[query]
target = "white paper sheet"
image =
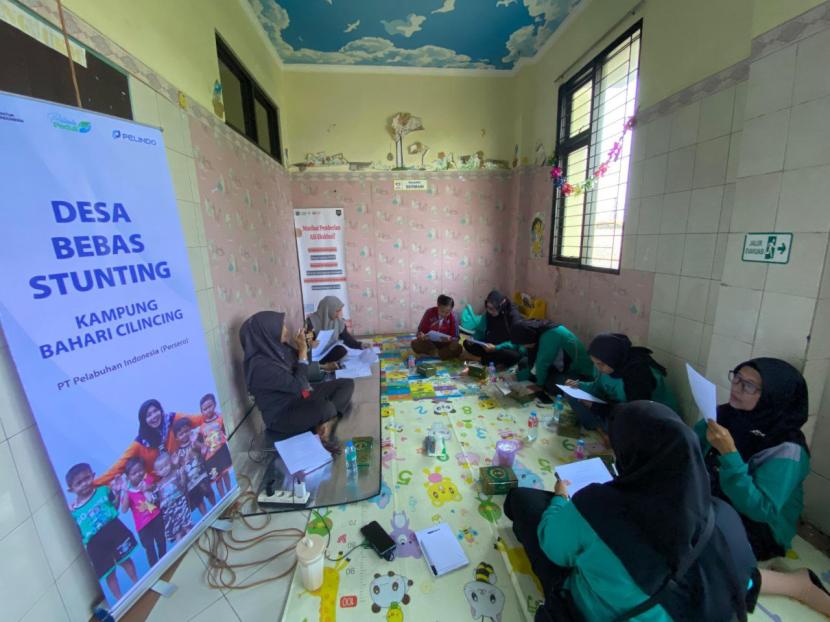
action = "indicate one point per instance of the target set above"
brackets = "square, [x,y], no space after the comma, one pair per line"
[705,394]
[368,356]
[441,549]
[325,342]
[434,335]
[303,452]
[582,473]
[580,394]
[354,371]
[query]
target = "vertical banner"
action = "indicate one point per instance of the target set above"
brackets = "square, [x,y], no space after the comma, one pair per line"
[102,321]
[321,247]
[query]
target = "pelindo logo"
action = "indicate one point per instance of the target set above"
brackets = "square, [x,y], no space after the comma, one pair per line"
[119,135]
[64,123]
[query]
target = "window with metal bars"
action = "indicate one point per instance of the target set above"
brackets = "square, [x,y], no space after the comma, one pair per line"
[247,109]
[594,107]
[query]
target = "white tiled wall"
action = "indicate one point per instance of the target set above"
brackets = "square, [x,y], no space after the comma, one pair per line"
[48,578]
[680,213]
[783,184]
[753,157]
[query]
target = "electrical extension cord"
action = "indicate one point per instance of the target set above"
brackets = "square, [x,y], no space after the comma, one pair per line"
[282,497]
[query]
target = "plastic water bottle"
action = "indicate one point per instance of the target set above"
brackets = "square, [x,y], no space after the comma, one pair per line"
[532,427]
[579,450]
[410,363]
[558,409]
[552,422]
[491,373]
[351,457]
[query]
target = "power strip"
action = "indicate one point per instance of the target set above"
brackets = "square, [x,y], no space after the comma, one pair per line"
[283,497]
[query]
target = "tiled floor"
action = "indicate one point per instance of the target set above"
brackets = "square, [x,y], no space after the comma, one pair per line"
[194,600]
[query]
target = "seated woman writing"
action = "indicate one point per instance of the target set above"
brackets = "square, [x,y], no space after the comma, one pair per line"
[438,319]
[329,316]
[491,340]
[555,352]
[650,546]
[757,458]
[626,373]
[276,376]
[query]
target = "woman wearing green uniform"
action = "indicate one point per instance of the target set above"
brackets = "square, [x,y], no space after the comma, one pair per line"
[626,373]
[757,458]
[650,546]
[555,352]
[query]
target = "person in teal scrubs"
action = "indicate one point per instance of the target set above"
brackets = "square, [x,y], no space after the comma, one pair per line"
[608,553]
[758,460]
[626,373]
[554,351]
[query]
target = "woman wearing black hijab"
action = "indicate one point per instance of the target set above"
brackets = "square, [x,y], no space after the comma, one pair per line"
[277,376]
[626,373]
[652,545]
[492,337]
[757,458]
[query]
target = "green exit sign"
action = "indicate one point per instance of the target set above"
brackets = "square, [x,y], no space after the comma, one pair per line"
[769,247]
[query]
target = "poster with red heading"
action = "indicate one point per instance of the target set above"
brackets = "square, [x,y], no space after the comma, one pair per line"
[321,245]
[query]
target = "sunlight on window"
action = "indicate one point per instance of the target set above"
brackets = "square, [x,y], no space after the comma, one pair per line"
[589,225]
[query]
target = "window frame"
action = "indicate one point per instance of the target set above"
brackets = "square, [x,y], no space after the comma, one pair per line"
[590,72]
[251,92]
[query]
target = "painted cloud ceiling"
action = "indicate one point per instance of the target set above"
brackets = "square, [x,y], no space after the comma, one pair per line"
[467,34]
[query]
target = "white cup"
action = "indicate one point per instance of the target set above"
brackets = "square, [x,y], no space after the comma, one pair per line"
[310,560]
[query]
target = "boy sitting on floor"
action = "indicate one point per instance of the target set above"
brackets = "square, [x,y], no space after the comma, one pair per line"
[438,331]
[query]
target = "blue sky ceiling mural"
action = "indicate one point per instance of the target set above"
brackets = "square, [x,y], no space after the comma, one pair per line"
[466,34]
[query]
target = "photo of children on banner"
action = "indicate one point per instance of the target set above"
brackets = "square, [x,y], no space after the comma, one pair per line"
[161,480]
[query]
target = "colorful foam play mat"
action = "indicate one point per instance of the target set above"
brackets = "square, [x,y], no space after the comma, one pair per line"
[419,491]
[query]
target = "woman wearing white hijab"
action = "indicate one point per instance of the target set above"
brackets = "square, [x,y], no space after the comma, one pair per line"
[329,316]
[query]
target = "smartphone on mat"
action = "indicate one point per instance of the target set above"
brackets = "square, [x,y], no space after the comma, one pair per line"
[379,540]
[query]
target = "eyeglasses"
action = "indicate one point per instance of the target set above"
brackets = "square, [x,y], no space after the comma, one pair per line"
[748,387]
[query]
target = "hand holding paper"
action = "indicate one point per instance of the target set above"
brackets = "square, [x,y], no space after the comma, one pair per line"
[582,473]
[580,394]
[326,341]
[704,393]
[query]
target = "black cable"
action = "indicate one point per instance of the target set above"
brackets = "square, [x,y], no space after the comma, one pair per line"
[363,544]
[239,425]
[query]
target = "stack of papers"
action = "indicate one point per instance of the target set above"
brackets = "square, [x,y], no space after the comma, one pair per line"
[303,453]
[583,473]
[357,364]
[441,549]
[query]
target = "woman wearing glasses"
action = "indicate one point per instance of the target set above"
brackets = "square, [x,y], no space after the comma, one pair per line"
[757,459]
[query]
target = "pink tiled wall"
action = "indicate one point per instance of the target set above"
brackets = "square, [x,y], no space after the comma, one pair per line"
[405,248]
[587,302]
[464,236]
[246,209]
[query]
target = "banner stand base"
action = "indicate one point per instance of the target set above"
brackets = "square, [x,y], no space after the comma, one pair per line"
[181,547]
[102,614]
[164,588]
